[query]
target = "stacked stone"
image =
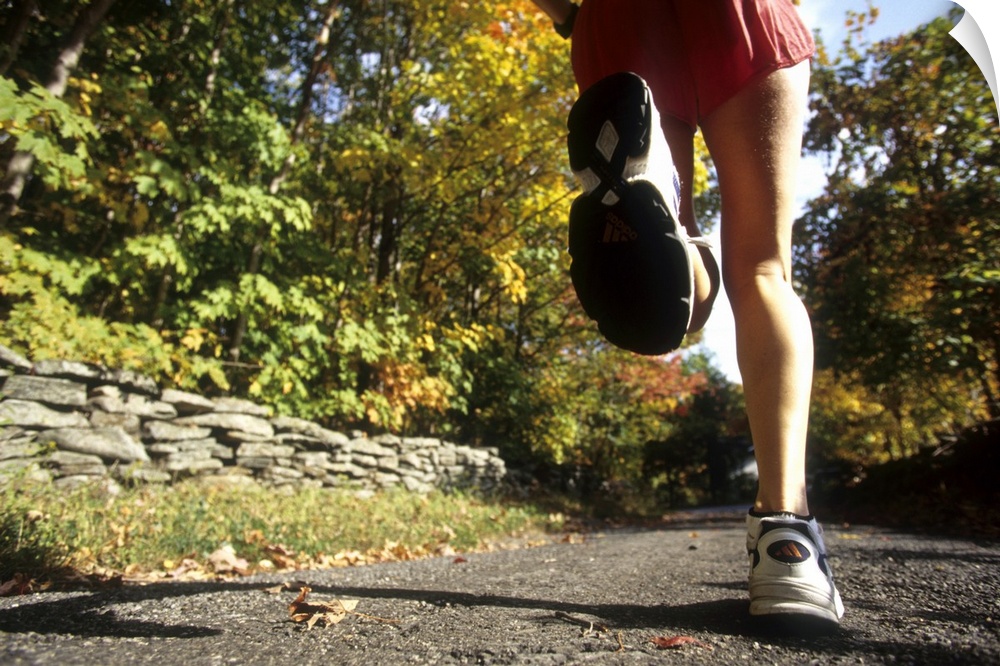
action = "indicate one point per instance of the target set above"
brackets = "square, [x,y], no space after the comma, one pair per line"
[73,422]
[52,428]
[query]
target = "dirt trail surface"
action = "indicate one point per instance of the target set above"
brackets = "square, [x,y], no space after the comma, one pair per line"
[911,599]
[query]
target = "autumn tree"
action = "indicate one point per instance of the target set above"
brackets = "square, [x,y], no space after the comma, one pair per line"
[900,256]
[352,210]
[703,445]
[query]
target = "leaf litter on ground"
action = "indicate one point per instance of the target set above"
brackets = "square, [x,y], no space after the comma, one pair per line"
[314,612]
[329,613]
[676,642]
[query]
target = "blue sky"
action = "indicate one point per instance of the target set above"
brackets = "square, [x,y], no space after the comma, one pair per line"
[895,18]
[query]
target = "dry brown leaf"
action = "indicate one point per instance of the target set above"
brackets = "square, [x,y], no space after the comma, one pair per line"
[675,642]
[144,577]
[349,558]
[282,556]
[324,561]
[19,584]
[186,567]
[252,537]
[393,551]
[312,613]
[224,560]
[589,626]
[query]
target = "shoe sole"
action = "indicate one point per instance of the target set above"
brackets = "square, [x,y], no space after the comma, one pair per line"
[609,125]
[782,616]
[631,270]
[630,264]
[772,599]
[785,625]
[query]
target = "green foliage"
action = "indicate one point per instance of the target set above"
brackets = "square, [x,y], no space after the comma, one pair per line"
[34,121]
[28,542]
[42,322]
[899,257]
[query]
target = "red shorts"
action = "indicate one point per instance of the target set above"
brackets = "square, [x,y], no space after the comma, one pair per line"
[694,54]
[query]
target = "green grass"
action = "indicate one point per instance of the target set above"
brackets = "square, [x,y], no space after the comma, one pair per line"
[45,532]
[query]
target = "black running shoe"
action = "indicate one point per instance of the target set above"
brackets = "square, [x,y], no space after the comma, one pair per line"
[631,266]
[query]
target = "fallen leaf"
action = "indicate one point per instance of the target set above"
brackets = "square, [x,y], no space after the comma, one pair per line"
[34,515]
[252,537]
[327,612]
[224,560]
[588,625]
[282,556]
[186,567]
[393,551]
[277,589]
[19,584]
[459,560]
[349,558]
[675,642]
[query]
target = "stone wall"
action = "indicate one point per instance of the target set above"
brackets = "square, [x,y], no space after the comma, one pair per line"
[72,422]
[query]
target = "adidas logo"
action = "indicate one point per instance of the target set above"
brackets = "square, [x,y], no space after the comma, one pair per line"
[616,231]
[788,551]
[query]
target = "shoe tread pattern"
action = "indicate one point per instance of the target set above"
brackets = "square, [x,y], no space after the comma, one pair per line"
[637,290]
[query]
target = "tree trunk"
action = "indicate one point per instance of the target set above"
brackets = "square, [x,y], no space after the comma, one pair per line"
[15,32]
[305,102]
[216,56]
[21,163]
[388,231]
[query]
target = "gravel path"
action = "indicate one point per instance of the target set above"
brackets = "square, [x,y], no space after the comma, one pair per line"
[911,599]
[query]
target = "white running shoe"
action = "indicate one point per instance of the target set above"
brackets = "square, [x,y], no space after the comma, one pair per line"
[790,574]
